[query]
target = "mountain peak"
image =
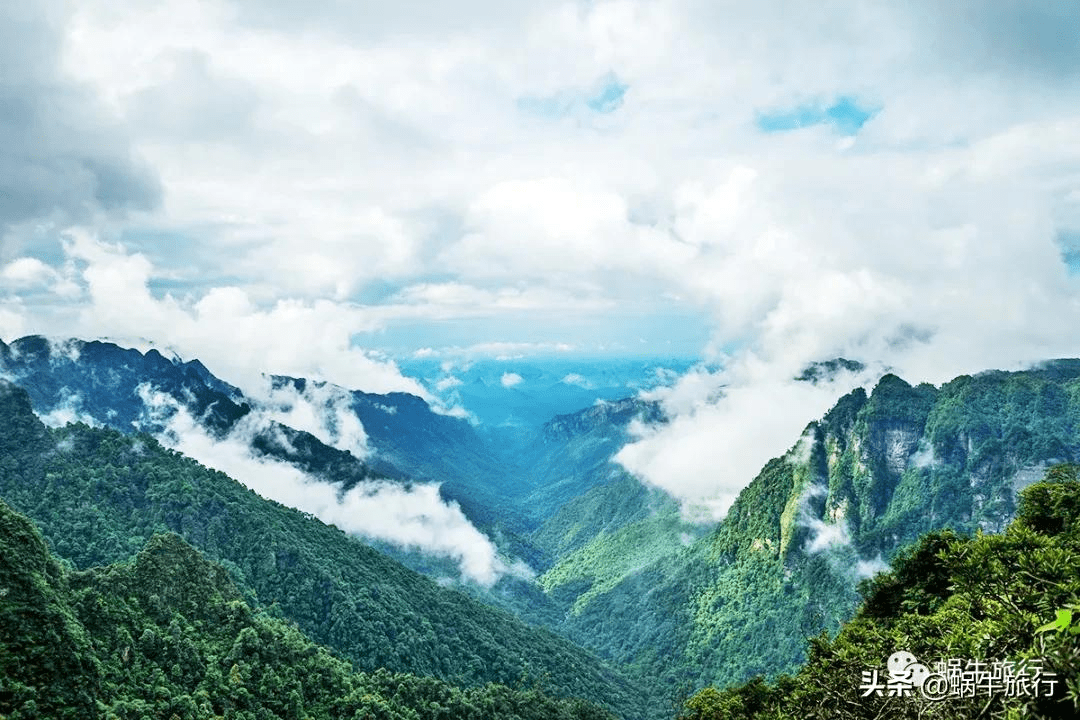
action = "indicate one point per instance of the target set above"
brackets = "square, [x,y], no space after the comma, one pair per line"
[827,370]
[614,414]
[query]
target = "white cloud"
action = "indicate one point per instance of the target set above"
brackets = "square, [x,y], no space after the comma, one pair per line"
[447,383]
[386,155]
[27,271]
[322,409]
[724,426]
[870,568]
[413,517]
[69,410]
[826,536]
[12,320]
[224,328]
[510,379]
[923,457]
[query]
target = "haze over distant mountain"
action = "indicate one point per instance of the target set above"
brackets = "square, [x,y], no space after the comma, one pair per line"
[528,390]
[550,525]
[385,466]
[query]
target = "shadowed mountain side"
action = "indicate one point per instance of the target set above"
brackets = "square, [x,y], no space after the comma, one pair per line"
[167,634]
[99,496]
[406,441]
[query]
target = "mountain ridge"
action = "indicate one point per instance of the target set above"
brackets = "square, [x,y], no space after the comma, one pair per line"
[79,482]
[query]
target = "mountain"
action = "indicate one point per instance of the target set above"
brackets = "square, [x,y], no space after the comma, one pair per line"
[99,381]
[168,634]
[99,496]
[573,453]
[866,480]
[617,568]
[597,523]
[103,384]
[1008,602]
[342,437]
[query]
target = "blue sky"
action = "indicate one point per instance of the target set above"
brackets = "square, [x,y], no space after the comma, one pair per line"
[281,187]
[846,115]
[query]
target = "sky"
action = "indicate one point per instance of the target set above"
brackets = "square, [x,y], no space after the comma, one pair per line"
[316,188]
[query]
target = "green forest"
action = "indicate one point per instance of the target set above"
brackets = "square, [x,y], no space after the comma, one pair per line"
[154,587]
[100,496]
[168,635]
[1009,597]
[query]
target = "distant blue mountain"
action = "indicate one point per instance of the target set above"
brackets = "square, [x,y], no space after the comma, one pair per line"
[528,392]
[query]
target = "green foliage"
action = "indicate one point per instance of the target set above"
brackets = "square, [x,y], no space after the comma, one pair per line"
[173,639]
[919,581]
[878,471]
[1067,620]
[982,598]
[610,556]
[1051,508]
[99,496]
[46,663]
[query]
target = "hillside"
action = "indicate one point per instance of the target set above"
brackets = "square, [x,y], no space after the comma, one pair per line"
[336,435]
[1008,601]
[99,496]
[618,570]
[167,634]
[867,479]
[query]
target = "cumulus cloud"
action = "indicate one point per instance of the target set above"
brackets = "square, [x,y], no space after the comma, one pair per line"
[63,156]
[509,379]
[413,516]
[388,170]
[224,327]
[27,271]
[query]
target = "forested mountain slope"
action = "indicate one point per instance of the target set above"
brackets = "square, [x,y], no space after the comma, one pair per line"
[99,496]
[619,571]
[404,439]
[1009,602]
[870,477]
[167,634]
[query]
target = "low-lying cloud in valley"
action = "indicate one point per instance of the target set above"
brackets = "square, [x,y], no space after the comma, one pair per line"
[69,410]
[322,409]
[411,516]
[724,425]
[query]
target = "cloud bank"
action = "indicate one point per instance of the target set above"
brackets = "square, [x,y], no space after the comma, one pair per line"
[724,426]
[593,175]
[413,516]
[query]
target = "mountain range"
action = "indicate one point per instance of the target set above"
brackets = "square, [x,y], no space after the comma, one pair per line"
[618,598]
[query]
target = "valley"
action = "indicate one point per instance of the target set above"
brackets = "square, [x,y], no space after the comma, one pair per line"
[521,555]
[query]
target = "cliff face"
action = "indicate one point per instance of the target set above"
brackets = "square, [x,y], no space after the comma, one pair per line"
[904,460]
[868,478]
